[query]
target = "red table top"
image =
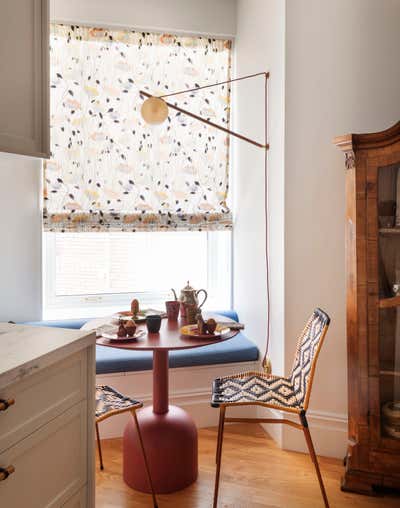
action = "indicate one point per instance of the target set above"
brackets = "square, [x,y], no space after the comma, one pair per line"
[168,338]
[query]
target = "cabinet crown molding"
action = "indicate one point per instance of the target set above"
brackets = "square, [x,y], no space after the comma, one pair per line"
[355,142]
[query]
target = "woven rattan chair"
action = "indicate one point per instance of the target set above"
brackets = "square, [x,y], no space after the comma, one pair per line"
[109,402]
[289,394]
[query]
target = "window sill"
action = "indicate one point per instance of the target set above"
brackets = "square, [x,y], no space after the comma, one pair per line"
[87,312]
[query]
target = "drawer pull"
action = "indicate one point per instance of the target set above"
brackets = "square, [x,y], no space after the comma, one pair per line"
[5,472]
[5,404]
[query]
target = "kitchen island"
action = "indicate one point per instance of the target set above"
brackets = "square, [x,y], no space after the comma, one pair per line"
[47,397]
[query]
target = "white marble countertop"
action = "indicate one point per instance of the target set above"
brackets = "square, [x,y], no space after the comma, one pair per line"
[26,349]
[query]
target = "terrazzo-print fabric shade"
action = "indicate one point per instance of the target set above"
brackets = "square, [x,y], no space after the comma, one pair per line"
[109,171]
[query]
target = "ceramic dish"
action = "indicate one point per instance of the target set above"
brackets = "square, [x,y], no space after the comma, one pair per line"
[192,331]
[113,337]
[126,315]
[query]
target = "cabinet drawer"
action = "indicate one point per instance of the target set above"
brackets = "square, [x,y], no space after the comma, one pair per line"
[41,397]
[50,465]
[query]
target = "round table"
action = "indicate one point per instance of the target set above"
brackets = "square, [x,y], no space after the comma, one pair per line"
[169,433]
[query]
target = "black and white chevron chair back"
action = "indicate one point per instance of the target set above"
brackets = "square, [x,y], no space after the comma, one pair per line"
[307,351]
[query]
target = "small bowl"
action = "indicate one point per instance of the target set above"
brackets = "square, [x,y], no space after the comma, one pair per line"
[153,323]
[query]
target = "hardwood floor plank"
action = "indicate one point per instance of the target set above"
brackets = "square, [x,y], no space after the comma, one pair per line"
[255,474]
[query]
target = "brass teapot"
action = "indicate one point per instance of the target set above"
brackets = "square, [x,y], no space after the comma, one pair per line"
[189,297]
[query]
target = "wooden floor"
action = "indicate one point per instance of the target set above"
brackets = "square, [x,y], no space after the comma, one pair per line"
[255,474]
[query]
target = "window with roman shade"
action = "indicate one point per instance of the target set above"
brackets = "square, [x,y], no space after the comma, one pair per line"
[109,171]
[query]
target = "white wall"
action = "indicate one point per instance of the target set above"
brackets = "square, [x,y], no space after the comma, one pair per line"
[20,177]
[216,17]
[20,233]
[342,74]
[259,47]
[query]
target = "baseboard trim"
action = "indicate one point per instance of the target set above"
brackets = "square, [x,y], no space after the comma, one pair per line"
[190,388]
[273,429]
[328,431]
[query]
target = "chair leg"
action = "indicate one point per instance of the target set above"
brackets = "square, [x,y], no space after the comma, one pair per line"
[219,453]
[155,505]
[220,423]
[99,446]
[313,455]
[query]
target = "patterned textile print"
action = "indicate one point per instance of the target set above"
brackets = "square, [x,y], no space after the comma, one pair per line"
[109,170]
[255,387]
[284,392]
[306,349]
[108,400]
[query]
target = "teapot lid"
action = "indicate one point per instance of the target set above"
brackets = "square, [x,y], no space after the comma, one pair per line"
[188,287]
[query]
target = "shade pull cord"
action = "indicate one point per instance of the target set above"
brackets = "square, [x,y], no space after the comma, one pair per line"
[266,363]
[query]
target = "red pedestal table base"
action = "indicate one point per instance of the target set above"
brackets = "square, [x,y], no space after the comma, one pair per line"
[170,440]
[169,433]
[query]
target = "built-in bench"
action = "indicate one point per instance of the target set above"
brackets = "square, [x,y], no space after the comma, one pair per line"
[113,360]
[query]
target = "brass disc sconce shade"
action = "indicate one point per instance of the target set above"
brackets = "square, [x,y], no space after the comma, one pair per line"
[154,110]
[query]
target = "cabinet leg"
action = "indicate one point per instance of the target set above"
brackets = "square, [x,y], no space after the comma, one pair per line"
[355,483]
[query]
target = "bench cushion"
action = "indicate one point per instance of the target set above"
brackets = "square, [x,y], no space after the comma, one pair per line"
[112,360]
[238,349]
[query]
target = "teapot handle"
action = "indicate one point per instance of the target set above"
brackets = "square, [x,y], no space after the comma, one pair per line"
[205,296]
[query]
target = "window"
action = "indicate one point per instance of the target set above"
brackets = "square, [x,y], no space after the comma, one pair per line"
[131,210]
[89,274]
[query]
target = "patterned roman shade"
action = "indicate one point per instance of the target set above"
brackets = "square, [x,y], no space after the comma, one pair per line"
[109,171]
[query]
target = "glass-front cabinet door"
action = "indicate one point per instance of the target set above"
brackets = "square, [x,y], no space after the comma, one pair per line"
[372,168]
[388,229]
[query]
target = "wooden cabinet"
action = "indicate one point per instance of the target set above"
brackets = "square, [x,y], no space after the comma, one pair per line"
[24,81]
[372,165]
[50,464]
[43,396]
[46,417]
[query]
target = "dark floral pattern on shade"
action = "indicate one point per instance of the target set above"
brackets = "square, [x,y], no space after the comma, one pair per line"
[109,171]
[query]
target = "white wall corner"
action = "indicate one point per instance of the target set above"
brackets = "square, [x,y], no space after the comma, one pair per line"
[328,432]
[273,429]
